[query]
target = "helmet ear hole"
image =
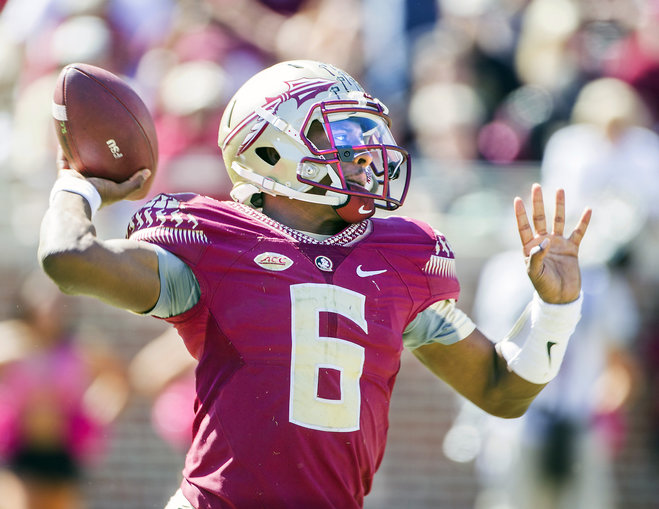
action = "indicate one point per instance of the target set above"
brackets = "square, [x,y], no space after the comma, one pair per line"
[268,154]
[257,200]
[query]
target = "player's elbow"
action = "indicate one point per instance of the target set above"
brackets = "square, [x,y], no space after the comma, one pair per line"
[508,404]
[509,411]
[63,267]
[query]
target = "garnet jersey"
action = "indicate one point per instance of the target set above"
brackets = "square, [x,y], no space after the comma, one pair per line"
[298,343]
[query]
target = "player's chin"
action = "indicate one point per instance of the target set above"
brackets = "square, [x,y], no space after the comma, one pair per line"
[357,208]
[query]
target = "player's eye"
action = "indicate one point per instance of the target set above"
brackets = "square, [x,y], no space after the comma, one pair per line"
[340,138]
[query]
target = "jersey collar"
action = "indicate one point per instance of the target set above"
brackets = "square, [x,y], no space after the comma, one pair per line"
[346,237]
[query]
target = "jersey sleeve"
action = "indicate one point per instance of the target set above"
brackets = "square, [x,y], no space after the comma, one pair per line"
[424,261]
[174,223]
[441,322]
[179,288]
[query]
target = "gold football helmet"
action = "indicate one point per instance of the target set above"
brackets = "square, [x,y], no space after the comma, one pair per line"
[270,142]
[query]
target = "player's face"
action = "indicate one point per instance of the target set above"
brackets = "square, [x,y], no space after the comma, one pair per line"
[346,134]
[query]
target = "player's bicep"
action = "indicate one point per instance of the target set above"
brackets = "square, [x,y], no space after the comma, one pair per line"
[121,272]
[133,282]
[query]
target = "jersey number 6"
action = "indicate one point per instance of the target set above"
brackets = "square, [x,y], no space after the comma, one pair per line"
[310,353]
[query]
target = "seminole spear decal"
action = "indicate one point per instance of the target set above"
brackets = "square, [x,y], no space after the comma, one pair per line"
[301,90]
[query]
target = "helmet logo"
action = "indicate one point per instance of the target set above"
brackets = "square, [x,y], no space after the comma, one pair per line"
[301,90]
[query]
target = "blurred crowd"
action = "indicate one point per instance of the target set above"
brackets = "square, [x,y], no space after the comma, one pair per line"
[476,88]
[475,80]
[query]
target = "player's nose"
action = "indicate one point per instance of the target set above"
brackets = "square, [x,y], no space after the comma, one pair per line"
[355,164]
[356,173]
[363,159]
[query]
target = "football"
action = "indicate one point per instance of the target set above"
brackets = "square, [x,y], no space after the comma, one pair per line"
[103,126]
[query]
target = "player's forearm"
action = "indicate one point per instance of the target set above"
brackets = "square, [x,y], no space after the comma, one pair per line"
[476,370]
[121,272]
[506,394]
[67,239]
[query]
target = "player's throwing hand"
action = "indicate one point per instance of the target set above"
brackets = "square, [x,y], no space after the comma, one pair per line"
[108,190]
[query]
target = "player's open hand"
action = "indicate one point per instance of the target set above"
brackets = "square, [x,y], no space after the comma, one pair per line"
[551,259]
[109,190]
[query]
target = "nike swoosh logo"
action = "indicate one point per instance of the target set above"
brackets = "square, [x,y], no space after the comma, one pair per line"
[362,210]
[549,346]
[366,273]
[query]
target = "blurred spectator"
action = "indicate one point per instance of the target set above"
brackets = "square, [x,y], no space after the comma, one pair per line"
[445,110]
[58,396]
[561,45]
[325,30]
[560,454]
[116,32]
[192,96]
[388,60]
[163,371]
[635,58]
[187,82]
[607,156]
[445,119]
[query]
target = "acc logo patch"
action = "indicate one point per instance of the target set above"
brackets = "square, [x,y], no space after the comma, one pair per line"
[273,261]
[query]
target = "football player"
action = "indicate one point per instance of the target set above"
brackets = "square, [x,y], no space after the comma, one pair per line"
[297,302]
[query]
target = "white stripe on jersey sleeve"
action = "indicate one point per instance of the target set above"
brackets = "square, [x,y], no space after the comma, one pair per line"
[179,288]
[441,322]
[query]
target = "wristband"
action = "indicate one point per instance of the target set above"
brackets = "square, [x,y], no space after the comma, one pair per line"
[80,187]
[535,347]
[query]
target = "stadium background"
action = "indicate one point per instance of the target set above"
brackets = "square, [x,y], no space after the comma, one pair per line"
[497,115]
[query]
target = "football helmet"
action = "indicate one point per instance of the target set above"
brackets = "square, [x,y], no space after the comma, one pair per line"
[300,129]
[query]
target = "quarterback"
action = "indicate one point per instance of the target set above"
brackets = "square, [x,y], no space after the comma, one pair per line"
[297,302]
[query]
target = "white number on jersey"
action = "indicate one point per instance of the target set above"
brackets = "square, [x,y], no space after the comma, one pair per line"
[310,353]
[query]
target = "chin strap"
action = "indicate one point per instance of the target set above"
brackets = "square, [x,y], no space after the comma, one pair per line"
[357,208]
[267,185]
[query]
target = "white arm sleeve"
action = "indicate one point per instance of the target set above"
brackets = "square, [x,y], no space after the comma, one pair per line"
[179,288]
[441,322]
[535,347]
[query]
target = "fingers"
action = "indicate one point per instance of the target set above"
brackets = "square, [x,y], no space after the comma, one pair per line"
[526,233]
[537,255]
[140,177]
[523,226]
[135,182]
[580,230]
[112,192]
[559,214]
[538,210]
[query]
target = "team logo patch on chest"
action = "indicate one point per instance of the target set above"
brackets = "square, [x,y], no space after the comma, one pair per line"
[273,261]
[324,263]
